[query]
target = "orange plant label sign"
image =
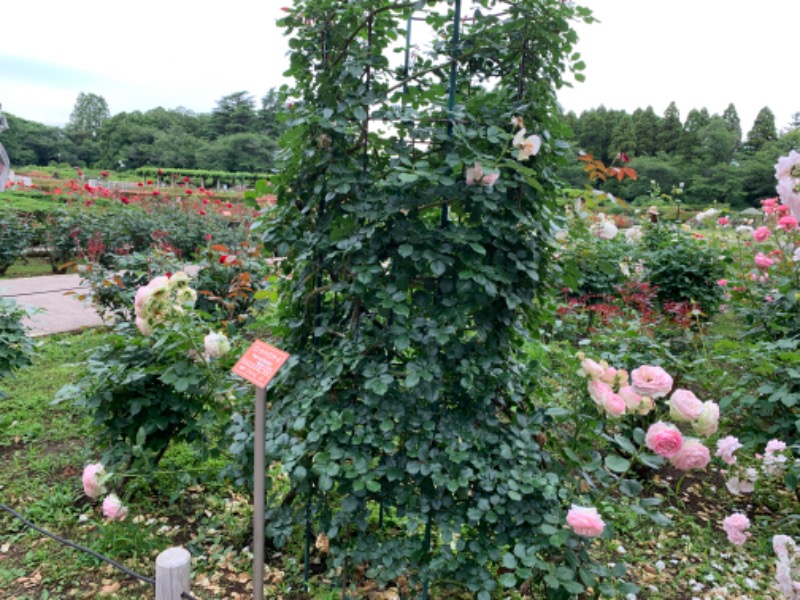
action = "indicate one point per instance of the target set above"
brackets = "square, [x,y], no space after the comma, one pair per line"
[259,363]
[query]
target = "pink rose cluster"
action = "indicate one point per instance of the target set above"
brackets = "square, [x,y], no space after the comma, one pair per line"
[736,526]
[667,440]
[611,391]
[787,173]
[94,485]
[161,299]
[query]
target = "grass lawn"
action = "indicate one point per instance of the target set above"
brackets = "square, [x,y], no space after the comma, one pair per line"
[44,448]
[29,267]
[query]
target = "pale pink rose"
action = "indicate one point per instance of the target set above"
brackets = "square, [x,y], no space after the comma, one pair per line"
[613,404]
[632,399]
[664,439]
[527,146]
[735,526]
[722,282]
[692,455]
[761,234]
[93,480]
[762,261]
[708,421]
[144,326]
[598,390]
[787,190]
[585,521]
[605,230]
[113,509]
[726,447]
[785,167]
[142,294]
[787,223]
[474,174]
[592,369]
[650,381]
[609,375]
[684,406]
[775,446]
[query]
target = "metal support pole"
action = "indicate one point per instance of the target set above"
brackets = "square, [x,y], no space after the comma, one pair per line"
[259,494]
[451,100]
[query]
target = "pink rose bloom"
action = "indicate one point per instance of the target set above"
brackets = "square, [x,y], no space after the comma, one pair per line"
[785,167]
[592,369]
[787,223]
[650,381]
[761,234]
[664,439]
[692,455]
[475,175]
[598,390]
[775,446]
[789,196]
[113,509]
[762,261]
[585,521]
[726,447]
[708,421]
[723,221]
[735,526]
[722,282]
[144,326]
[632,399]
[684,406]
[93,480]
[613,405]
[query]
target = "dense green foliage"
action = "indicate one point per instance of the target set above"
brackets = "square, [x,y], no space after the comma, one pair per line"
[411,292]
[705,152]
[15,345]
[235,136]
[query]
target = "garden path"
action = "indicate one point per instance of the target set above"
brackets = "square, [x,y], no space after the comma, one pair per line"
[52,311]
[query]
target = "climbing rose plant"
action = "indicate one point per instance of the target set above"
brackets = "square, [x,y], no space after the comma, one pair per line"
[416,218]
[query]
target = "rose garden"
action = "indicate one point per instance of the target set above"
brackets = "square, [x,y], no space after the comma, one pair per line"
[499,385]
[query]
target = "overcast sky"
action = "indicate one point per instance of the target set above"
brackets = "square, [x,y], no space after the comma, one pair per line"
[171,53]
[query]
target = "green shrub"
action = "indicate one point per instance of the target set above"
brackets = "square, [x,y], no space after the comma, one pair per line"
[15,345]
[682,268]
[15,235]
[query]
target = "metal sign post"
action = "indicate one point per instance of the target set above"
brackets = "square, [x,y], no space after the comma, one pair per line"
[259,497]
[258,365]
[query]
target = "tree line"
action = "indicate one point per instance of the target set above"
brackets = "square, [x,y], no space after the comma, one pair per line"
[237,135]
[707,153]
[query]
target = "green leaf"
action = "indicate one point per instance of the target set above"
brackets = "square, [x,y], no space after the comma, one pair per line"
[509,561]
[359,113]
[438,268]
[630,487]
[616,463]
[508,580]
[405,250]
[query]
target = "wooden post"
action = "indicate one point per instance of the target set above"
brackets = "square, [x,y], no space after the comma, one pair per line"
[172,573]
